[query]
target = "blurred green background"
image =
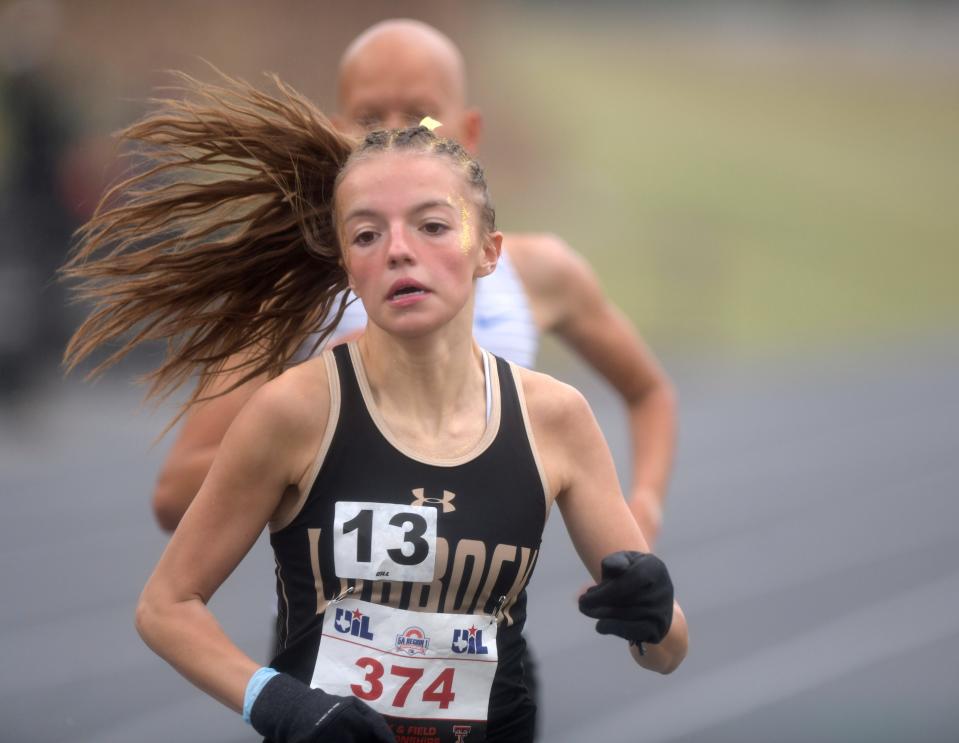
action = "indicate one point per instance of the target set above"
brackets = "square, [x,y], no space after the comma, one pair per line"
[758,195]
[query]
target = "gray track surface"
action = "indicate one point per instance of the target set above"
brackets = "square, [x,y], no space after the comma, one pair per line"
[812,532]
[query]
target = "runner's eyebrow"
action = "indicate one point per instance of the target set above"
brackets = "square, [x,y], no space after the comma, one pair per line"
[430,205]
[365,212]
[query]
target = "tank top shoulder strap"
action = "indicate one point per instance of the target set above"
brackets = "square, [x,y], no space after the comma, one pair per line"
[349,384]
[515,427]
[283,517]
[509,395]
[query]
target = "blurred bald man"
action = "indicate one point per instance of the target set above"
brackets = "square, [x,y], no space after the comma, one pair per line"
[399,71]
[391,76]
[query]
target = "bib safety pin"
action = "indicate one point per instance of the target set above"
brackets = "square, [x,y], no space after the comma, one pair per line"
[499,607]
[345,593]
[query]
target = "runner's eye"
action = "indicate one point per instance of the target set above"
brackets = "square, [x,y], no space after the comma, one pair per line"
[364,237]
[434,228]
[369,122]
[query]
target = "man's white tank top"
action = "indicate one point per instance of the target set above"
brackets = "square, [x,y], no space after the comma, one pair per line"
[502,320]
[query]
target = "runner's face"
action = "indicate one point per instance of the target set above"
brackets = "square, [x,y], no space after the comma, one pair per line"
[378,92]
[409,228]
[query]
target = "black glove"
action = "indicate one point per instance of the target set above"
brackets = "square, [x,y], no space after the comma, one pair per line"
[634,599]
[288,711]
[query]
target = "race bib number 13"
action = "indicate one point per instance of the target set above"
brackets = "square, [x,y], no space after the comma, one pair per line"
[382,541]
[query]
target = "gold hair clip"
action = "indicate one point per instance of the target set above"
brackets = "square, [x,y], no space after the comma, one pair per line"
[430,123]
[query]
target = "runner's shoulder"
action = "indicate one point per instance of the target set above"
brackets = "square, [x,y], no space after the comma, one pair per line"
[295,402]
[552,404]
[534,245]
[546,263]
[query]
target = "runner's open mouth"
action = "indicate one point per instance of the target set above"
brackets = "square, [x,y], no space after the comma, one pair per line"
[408,291]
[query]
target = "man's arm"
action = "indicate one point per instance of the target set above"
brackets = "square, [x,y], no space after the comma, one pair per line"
[197,442]
[194,449]
[567,299]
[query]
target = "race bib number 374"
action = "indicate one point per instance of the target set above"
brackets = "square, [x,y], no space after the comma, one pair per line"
[408,665]
[382,541]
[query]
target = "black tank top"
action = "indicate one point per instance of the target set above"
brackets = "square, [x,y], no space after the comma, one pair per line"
[367,510]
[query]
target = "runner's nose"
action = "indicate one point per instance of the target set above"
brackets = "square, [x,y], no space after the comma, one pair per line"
[399,251]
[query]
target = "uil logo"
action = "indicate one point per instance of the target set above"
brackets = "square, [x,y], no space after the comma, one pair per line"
[461,731]
[469,642]
[446,501]
[353,622]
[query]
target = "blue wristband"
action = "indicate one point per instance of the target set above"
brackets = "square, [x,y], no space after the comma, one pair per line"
[254,687]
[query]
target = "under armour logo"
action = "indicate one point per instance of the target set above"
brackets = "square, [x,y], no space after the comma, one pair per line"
[446,501]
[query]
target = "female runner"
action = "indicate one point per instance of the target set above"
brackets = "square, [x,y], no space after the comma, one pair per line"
[405,477]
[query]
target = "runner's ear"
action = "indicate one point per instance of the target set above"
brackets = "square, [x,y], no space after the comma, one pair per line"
[491,252]
[472,130]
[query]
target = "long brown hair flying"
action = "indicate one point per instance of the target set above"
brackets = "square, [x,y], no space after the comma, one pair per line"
[222,244]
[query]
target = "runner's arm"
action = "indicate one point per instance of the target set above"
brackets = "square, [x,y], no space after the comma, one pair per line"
[595,513]
[264,455]
[194,449]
